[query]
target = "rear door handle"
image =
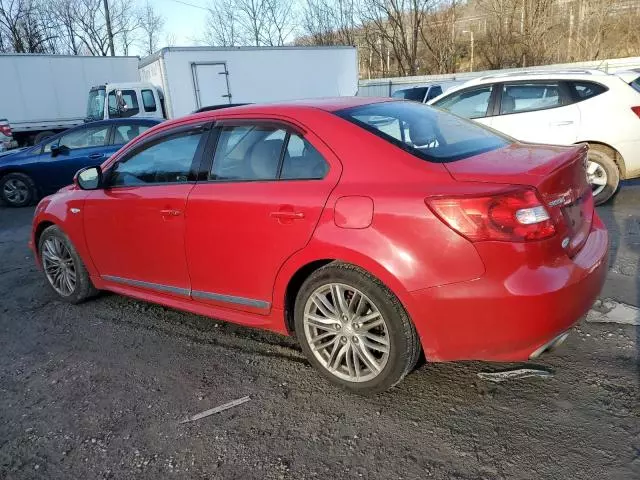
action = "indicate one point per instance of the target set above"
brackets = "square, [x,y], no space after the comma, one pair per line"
[560,124]
[284,215]
[95,156]
[170,213]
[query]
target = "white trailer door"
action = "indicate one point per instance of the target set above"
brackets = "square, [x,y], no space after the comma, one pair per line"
[211,85]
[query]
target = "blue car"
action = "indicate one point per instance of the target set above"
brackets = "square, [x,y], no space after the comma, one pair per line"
[33,172]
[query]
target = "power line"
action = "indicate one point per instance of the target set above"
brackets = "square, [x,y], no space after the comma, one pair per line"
[190,5]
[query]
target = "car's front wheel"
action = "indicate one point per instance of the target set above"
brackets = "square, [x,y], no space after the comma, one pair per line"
[17,190]
[63,268]
[354,330]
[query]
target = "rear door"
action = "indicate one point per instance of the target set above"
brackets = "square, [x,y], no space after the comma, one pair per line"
[537,111]
[210,84]
[259,201]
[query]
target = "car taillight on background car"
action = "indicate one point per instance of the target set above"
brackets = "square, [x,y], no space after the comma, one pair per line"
[6,130]
[636,110]
[513,216]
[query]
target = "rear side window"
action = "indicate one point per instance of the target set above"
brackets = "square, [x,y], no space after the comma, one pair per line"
[425,132]
[522,97]
[636,84]
[583,90]
[468,103]
[148,101]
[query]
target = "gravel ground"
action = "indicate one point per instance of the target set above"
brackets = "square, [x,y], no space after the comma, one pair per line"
[98,391]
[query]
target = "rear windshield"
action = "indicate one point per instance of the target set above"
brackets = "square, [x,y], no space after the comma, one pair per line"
[415,94]
[636,84]
[425,132]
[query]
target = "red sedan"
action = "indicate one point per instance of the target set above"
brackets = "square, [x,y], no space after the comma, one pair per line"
[372,229]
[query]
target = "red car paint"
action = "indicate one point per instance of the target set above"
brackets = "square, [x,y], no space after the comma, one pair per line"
[488,300]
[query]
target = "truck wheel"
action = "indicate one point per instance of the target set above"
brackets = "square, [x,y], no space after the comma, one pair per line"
[42,136]
[354,330]
[17,190]
[63,268]
[602,173]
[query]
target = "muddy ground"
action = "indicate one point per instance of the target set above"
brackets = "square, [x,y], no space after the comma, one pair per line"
[98,391]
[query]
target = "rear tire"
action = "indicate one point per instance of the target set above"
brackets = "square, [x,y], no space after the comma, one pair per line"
[17,190]
[354,330]
[603,173]
[64,270]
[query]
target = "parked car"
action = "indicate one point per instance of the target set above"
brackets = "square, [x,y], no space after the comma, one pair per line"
[418,94]
[370,241]
[33,172]
[563,108]
[6,136]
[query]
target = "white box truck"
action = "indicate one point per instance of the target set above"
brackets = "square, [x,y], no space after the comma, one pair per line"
[179,80]
[44,94]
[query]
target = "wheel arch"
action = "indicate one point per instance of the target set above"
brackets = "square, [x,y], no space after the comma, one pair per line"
[617,158]
[37,233]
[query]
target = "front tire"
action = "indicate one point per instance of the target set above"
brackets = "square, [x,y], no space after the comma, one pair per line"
[65,273]
[602,173]
[17,190]
[354,330]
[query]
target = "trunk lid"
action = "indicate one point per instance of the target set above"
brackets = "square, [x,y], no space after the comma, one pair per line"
[557,173]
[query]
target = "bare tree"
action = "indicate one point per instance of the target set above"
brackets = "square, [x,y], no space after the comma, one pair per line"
[222,27]
[151,23]
[25,27]
[329,22]
[280,22]
[170,39]
[438,34]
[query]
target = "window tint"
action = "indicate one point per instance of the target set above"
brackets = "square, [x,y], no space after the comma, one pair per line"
[168,161]
[584,90]
[148,101]
[425,132]
[636,84]
[434,92]
[81,138]
[468,103]
[518,98]
[126,106]
[248,152]
[415,94]
[302,160]
[126,133]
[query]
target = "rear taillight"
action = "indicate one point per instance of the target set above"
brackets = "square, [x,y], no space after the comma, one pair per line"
[636,110]
[5,130]
[514,216]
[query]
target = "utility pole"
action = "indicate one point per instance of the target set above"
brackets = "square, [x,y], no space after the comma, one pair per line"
[472,45]
[109,32]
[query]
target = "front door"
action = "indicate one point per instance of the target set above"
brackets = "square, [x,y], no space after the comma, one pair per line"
[135,226]
[81,147]
[264,195]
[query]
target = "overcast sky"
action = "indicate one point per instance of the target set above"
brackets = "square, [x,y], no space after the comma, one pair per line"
[184,21]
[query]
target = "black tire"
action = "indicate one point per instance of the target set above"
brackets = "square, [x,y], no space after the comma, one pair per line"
[42,136]
[404,345]
[18,190]
[84,288]
[604,157]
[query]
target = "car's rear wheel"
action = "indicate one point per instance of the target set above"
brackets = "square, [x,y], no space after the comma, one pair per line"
[17,190]
[602,173]
[63,268]
[354,330]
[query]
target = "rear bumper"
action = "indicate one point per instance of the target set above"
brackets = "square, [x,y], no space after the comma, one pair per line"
[517,307]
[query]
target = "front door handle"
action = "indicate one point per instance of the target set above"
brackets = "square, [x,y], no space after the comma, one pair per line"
[96,156]
[560,124]
[170,213]
[285,215]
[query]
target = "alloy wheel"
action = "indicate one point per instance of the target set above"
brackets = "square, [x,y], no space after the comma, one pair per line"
[597,177]
[15,191]
[59,266]
[346,332]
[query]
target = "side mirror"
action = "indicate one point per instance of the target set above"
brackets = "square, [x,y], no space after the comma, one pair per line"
[88,178]
[55,150]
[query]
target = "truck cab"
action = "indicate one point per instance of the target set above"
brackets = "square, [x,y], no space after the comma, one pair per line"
[124,100]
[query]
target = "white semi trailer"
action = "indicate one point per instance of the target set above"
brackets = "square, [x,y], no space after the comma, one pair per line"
[44,94]
[179,80]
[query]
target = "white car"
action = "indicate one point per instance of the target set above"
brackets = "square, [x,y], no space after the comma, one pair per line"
[562,108]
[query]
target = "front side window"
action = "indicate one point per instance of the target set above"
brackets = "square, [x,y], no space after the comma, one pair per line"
[468,103]
[125,105]
[148,101]
[126,133]
[257,152]
[165,161]
[425,132]
[81,138]
[521,97]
